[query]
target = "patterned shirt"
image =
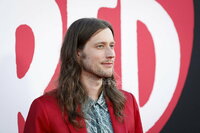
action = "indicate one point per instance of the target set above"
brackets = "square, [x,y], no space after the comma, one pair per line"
[97,116]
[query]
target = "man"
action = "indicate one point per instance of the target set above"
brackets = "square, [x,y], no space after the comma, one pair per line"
[86,99]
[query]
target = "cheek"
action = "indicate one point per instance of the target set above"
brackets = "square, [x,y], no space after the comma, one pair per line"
[95,56]
[93,60]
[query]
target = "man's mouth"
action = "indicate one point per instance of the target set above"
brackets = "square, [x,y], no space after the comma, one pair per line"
[107,64]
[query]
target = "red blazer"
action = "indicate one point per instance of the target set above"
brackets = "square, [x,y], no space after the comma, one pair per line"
[45,117]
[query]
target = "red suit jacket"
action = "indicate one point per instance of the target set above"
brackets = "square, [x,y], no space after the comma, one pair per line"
[45,117]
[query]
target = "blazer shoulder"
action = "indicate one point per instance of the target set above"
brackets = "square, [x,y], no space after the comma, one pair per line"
[125,92]
[128,95]
[37,119]
[47,98]
[42,104]
[45,116]
[130,99]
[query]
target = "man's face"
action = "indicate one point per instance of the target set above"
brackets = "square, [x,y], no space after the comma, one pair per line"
[98,55]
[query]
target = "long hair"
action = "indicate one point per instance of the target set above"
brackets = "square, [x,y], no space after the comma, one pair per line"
[70,93]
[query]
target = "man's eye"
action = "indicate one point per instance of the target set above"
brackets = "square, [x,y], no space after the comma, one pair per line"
[112,45]
[100,46]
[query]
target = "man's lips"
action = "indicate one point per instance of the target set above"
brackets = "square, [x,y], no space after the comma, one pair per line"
[107,64]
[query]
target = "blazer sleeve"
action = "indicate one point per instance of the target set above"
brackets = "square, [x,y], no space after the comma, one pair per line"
[138,123]
[37,120]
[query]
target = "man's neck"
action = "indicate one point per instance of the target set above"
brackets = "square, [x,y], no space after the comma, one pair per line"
[92,84]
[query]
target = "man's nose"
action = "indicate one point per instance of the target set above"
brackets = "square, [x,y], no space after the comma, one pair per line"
[110,53]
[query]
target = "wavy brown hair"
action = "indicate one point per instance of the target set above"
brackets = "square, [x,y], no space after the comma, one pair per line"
[70,93]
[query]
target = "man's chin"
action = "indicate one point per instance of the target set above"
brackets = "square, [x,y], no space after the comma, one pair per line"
[106,75]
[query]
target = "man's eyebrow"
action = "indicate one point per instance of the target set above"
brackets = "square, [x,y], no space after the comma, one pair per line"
[112,42]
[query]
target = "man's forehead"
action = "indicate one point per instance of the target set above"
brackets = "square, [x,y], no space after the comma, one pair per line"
[103,36]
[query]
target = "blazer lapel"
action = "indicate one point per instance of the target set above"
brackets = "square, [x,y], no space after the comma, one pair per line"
[77,130]
[118,127]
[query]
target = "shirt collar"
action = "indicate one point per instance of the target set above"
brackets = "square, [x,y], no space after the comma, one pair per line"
[90,102]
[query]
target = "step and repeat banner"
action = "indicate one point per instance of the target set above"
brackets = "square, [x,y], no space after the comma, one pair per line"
[157,49]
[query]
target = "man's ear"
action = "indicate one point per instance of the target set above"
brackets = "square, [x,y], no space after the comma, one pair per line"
[78,54]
